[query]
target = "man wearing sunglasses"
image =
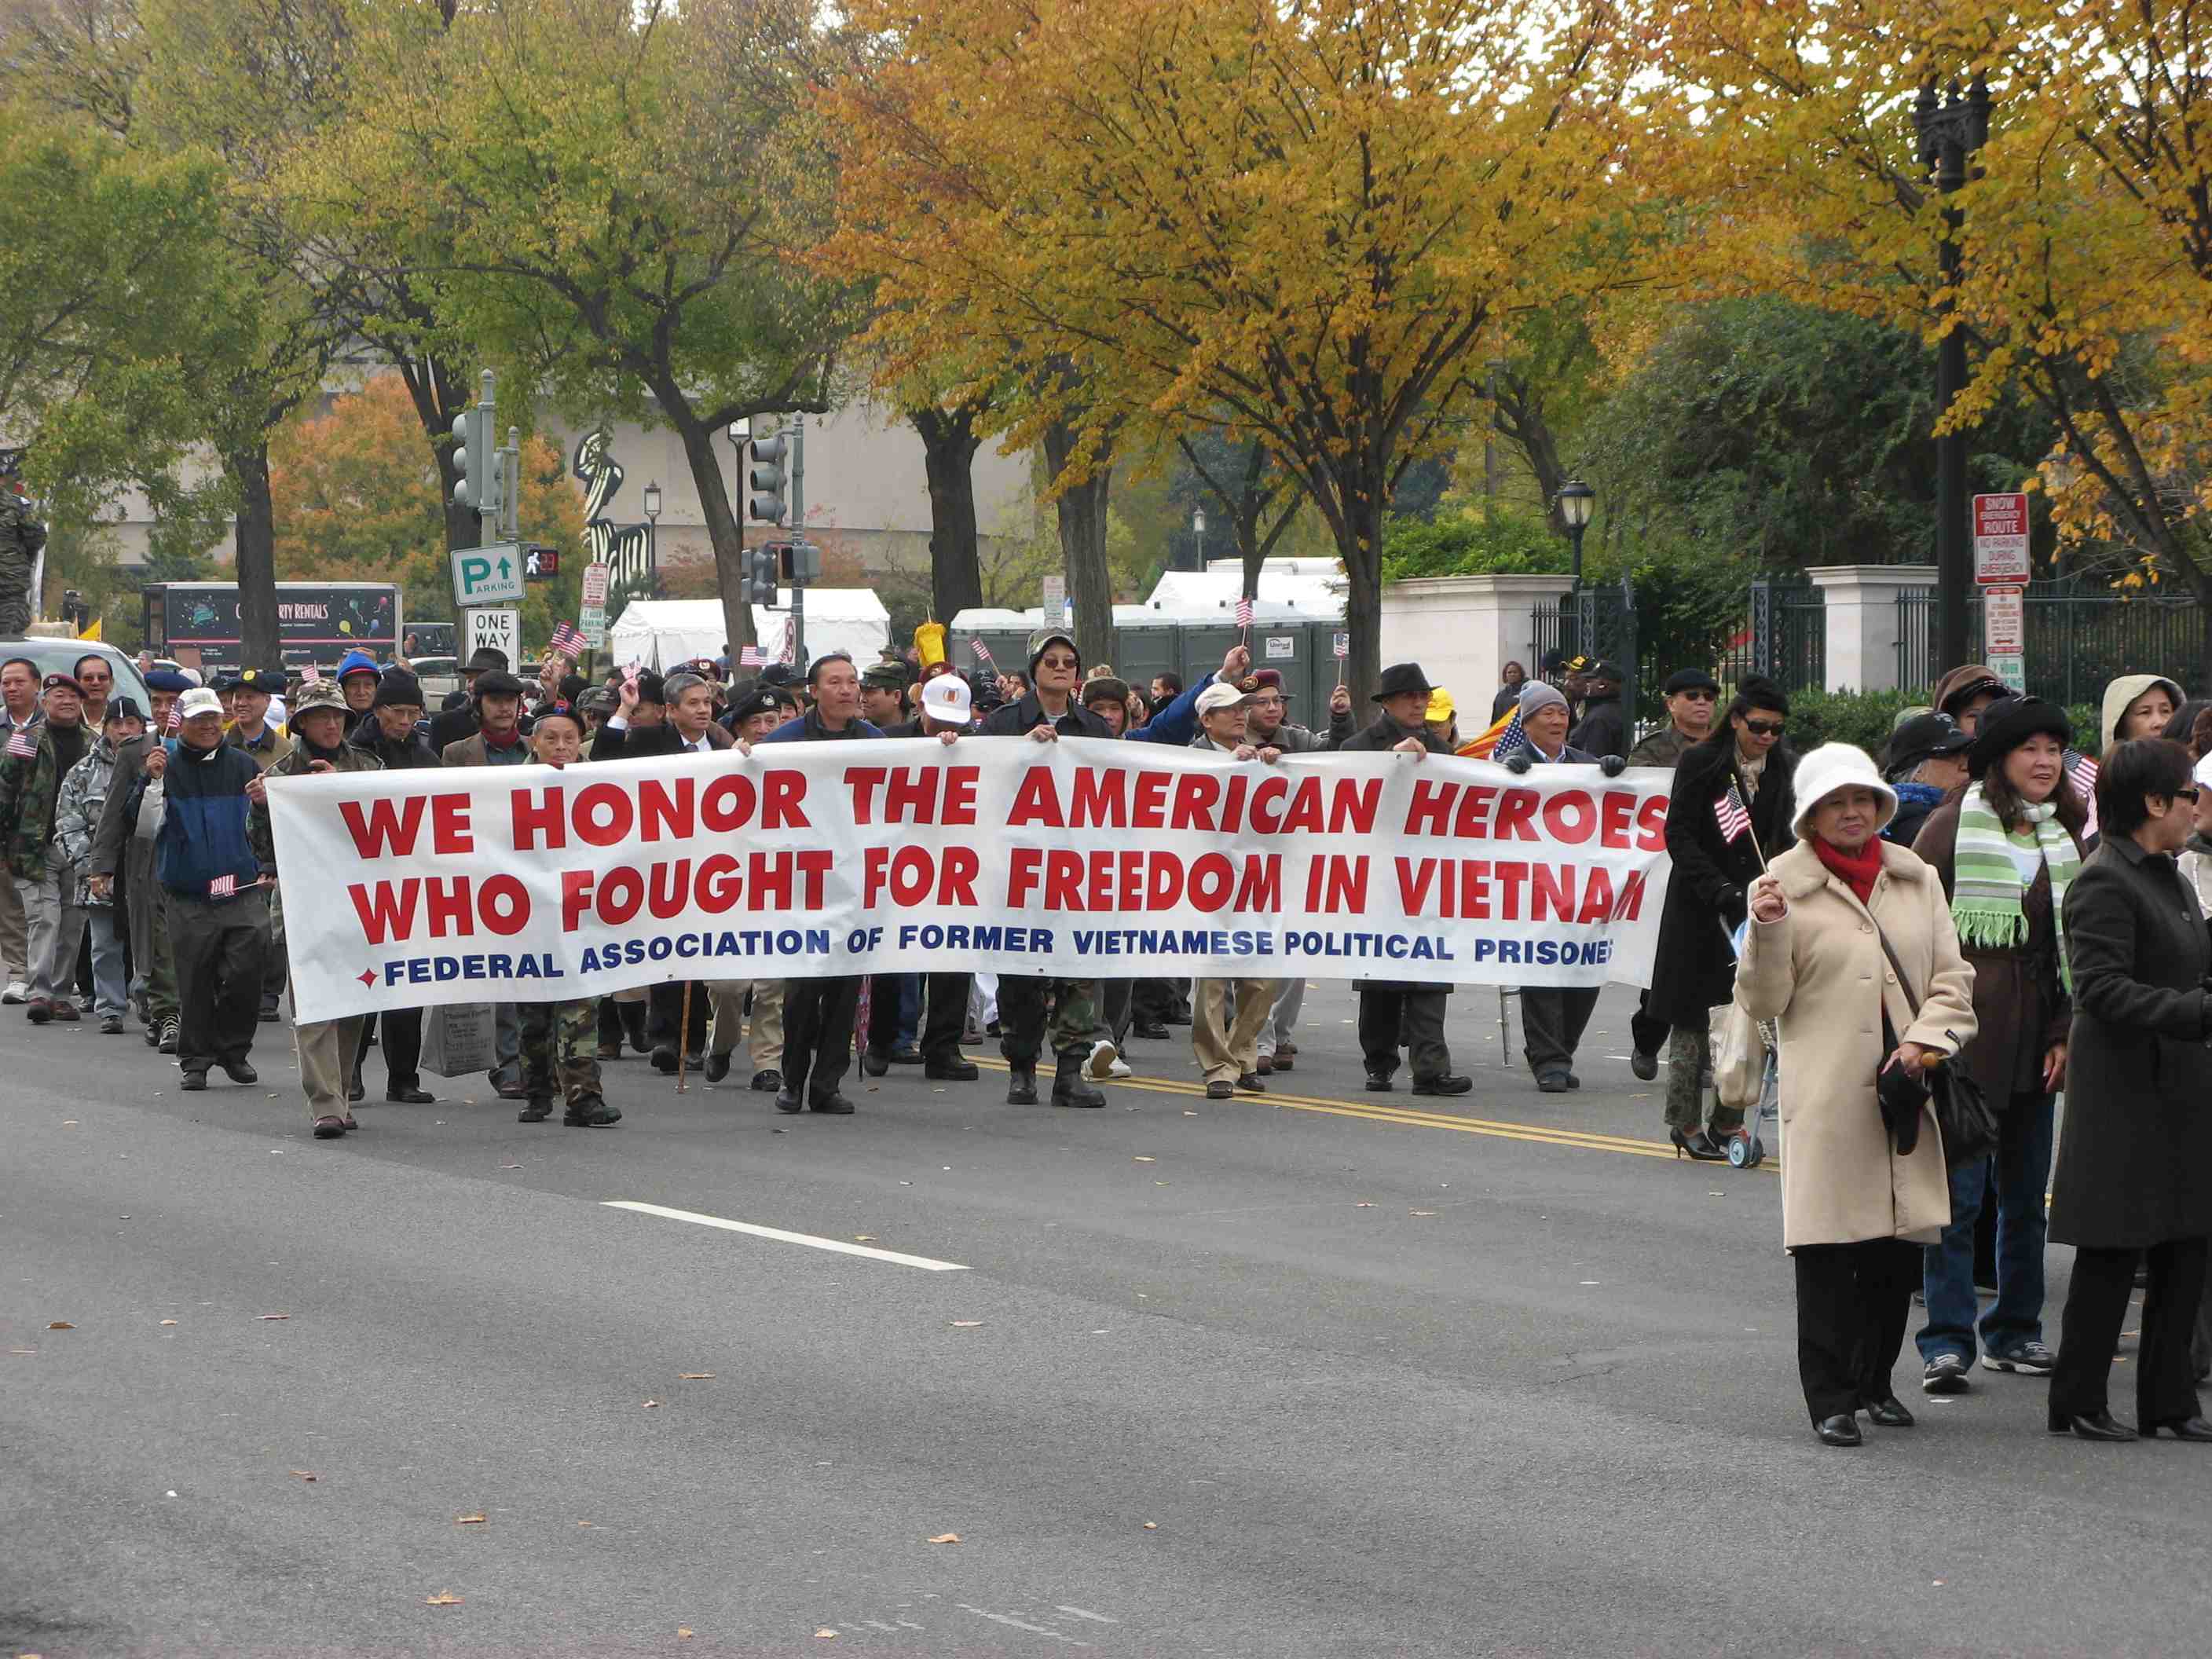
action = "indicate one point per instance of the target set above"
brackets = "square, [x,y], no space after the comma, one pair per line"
[1692,697]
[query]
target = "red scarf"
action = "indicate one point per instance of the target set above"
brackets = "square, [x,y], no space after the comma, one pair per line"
[1857,871]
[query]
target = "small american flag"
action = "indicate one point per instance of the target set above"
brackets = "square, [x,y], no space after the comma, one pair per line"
[1341,646]
[310,675]
[750,657]
[568,640]
[1731,813]
[1513,738]
[1244,611]
[21,744]
[2082,774]
[175,722]
[223,887]
[982,653]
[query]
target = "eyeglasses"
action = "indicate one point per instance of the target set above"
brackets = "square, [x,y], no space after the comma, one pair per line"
[1057,662]
[2189,793]
[1764,728]
[1697,696]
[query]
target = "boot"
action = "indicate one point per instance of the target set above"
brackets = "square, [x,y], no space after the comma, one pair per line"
[632,1015]
[1021,1085]
[1068,1087]
[590,1115]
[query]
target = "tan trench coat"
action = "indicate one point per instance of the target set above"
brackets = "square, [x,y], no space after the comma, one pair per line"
[1817,969]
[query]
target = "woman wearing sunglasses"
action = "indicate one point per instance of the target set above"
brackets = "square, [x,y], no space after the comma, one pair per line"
[1729,812]
[2131,1182]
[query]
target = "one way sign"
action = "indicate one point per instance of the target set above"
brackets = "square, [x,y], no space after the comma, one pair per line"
[487,575]
[541,564]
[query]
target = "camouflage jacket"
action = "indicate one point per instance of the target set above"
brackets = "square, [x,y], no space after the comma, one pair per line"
[76,813]
[294,763]
[27,786]
[19,531]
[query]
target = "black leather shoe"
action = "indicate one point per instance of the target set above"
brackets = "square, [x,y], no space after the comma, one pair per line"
[2187,1428]
[1378,1083]
[1888,1413]
[1151,1031]
[1448,1084]
[663,1059]
[1250,1084]
[875,1061]
[834,1104]
[632,1018]
[1573,1082]
[1221,1091]
[268,1014]
[955,1070]
[192,1082]
[1552,1083]
[410,1097]
[238,1072]
[355,1093]
[1841,1429]
[2093,1426]
[787,1101]
[717,1067]
[1699,1147]
[1021,1086]
[536,1112]
[1646,1066]
[767,1083]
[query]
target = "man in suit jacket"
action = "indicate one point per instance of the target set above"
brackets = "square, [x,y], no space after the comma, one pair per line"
[689,699]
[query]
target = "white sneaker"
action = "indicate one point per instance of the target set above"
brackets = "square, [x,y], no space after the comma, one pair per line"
[1106,1062]
[16,992]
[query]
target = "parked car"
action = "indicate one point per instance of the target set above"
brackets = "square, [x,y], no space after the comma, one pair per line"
[55,656]
[439,675]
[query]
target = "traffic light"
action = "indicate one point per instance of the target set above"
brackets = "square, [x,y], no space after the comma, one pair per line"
[473,459]
[800,562]
[760,575]
[768,479]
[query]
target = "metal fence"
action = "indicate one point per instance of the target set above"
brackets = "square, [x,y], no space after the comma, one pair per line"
[1598,620]
[2076,641]
[1785,637]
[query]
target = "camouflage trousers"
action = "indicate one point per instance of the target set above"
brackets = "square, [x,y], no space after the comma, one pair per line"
[15,590]
[561,1050]
[1022,1022]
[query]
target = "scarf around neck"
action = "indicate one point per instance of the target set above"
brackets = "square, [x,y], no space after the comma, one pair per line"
[1987,890]
[1749,769]
[1857,871]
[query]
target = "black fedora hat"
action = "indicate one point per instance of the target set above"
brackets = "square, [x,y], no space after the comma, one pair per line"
[1401,678]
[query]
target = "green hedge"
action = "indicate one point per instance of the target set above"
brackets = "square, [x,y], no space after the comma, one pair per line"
[1867,718]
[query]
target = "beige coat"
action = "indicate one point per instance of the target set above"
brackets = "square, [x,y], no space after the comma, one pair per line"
[1817,969]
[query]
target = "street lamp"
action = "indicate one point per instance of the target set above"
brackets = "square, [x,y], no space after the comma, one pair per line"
[1950,131]
[1197,529]
[652,527]
[1575,502]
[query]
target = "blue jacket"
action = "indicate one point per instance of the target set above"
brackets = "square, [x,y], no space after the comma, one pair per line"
[808,728]
[1177,723]
[203,818]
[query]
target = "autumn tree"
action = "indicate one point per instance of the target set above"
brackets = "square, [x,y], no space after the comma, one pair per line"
[608,196]
[1301,220]
[2084,235]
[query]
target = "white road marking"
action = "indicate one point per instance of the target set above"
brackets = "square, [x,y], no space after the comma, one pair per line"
[1081,1613]
[777,1233]
[1034,1630]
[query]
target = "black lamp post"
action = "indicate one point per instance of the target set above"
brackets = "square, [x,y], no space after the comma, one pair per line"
[1951,131]
[653,528]
[1577,501]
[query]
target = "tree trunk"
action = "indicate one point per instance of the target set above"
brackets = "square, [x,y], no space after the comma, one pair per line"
[724,532]
[261,640]
[1359,543]
[1082,511]
[955,571]
[439,395]
[1521,418]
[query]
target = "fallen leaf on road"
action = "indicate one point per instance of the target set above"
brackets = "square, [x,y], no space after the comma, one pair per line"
[947,1538]
[823,1635]
[69,1123]
[1190,1114]
[442,1599]
[168,1321]
[965,1324]
[583,1523]
[1363,1204]
[863,1238]
[1146,1160]
[694,1376]
[304,1474]
[274,1315]
[469,1521]
[61,1325]
[510,1166]
[683,1633]
[652,1405]
[1421,1212]
[1152,1525]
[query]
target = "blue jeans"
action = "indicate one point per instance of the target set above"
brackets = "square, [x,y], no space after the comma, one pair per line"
[909,1009]
[2015,1177]
[108,989]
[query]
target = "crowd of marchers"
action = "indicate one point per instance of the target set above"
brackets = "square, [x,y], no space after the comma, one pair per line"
[1994,894]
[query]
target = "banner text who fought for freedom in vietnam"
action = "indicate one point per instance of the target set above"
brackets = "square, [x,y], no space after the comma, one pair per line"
[1081,859]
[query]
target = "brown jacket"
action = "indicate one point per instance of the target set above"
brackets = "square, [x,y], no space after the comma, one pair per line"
[1821,971]
[2020,1004]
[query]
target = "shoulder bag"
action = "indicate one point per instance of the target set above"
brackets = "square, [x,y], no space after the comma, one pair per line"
[1963,1117]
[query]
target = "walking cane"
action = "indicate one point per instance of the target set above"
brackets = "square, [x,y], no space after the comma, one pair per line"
[683,1038]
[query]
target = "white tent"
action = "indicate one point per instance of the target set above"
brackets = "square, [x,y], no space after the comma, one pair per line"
[1210,595]
[660,633]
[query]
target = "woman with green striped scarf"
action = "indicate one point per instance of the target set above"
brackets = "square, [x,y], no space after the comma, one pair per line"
[2006,848]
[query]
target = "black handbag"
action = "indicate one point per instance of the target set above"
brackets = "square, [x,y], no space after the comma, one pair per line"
[1963,1117]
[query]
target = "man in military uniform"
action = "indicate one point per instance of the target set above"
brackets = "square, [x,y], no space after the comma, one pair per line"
[560,1040]
[122,855]
[22,537]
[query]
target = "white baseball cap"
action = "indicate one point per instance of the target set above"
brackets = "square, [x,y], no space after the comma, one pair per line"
[198,701]
[946,700]
[1221,694]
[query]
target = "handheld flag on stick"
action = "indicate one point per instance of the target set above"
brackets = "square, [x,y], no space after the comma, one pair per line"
[750,657]
[1731,814]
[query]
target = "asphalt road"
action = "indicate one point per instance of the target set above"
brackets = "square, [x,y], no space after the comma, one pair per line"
[1321,1373]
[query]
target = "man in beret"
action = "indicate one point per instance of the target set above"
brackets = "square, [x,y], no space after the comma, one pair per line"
[122,866]
[36,761]
[1692,697]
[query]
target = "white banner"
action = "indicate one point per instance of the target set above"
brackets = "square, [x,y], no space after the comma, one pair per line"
[1081,859]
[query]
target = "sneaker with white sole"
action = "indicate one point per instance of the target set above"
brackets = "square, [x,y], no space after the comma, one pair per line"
[2027,1359]
[1945,1374]
[16,994]
[1106,1062]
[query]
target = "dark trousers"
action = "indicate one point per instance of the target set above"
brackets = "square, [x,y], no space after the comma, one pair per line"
[219,949]
[1853,1301]
[403,1047]
[1151,1000]
[2089,1335]
[1647,1034]
[1117,1008]
[944,1011]
[665,1013]
[1394,1016]
[1551,1022]
[817,1033]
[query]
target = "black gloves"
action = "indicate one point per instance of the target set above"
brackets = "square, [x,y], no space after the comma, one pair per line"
[1516,763]
[1613,766]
